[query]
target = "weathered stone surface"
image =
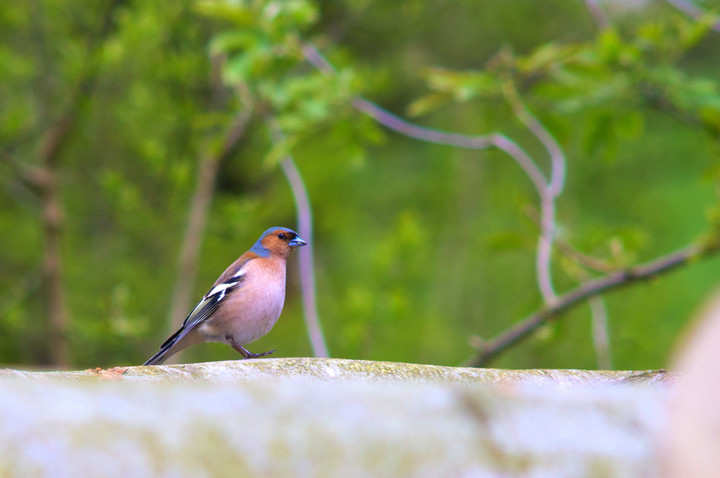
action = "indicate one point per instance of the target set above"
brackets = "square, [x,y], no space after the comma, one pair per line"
[351,370]
[329,418]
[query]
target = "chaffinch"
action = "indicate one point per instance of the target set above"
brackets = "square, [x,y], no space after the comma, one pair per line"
[245,301]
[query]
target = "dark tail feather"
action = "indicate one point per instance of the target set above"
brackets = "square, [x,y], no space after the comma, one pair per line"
[166,350]
[159,357]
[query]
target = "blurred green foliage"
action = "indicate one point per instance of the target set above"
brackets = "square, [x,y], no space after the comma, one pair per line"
[418,246]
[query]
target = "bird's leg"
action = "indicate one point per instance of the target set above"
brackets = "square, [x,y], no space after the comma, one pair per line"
[252,355]
[245,352]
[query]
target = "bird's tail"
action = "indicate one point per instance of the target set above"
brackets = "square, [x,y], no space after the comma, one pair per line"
[159,357]
[166,349]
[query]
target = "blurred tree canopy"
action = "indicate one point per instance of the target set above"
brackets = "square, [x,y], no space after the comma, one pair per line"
[107,109]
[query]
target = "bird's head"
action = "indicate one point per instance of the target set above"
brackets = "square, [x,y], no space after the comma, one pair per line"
[278,241]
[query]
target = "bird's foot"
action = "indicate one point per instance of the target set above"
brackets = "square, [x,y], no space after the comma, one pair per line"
[252,355]
[245,352]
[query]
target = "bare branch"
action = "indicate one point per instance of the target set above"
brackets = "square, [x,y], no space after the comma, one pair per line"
[585,260]
[305,254]
[568,250]
[546,191]
[400,125]
[597,13]
[543,261]
[598,309]
[557,156]
[507,145]
[492,348]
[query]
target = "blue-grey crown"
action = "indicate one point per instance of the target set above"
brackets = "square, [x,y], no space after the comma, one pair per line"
[259,249]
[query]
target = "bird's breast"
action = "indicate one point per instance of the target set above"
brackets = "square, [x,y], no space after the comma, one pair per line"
[252,310]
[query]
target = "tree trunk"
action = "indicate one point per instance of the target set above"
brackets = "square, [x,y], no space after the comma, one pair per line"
[46,180]
[52,271]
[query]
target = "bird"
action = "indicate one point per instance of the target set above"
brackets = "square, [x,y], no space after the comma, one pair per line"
[244,302]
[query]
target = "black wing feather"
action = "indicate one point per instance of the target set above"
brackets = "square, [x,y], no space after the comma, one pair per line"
[204,310]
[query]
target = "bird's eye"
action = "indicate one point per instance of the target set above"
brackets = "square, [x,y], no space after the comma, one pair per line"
[281,236]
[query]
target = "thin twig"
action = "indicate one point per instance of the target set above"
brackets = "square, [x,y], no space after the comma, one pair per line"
[571,252]
[400,125]
[547,190]
[585,260]
[492,348]
[305,258]
[557,156]
[305,254]
[598,309]
[543,262]
[597,13]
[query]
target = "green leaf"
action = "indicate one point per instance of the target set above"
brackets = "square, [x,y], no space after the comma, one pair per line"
[427,103]
[692,32]
[278,151]
[238,13]
[230,41]
[610,45]
[238,69]
[462,85]
[545,58]
[281,16]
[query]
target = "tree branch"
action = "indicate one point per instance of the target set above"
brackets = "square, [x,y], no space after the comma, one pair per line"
[402,126]
[568,250]
[597,13]
[543,261]
[305,254]
[489,350]
[598,309]
[547,190]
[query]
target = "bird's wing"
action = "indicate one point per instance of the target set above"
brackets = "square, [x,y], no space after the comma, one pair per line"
[235,270]
[230,281]
[207,306]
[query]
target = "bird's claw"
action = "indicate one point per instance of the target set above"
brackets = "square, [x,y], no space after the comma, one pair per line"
[252,355]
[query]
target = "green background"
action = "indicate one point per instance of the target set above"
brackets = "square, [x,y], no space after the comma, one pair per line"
[418,247]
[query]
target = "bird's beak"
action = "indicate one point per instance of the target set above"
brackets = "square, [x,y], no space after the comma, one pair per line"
[297,242]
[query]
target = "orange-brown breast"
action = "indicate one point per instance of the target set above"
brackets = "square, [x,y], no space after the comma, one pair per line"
[254,307]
